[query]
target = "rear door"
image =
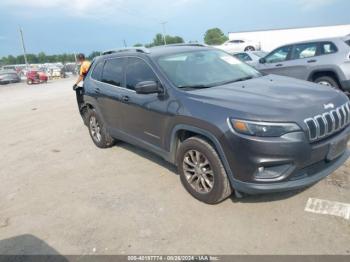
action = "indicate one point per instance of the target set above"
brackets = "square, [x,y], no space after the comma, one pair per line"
[304,57]
[277,61]
[108,88]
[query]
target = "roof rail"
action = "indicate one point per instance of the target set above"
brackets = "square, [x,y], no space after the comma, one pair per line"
[135,49]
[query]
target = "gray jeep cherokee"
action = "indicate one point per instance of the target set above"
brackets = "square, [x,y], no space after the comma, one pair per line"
[224,125]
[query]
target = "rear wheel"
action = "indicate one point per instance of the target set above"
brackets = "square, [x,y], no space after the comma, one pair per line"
[98,132]
[327,81]
[249,48]
[29,82]
[201,171]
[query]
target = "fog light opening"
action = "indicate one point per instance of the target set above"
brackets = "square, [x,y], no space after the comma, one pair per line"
[272,172]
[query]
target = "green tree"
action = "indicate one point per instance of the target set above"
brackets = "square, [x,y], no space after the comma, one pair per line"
[174,39]
[138,45]
[215,36]
[93,55]
[42,57]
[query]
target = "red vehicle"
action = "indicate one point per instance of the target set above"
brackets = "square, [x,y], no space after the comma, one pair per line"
[36,77]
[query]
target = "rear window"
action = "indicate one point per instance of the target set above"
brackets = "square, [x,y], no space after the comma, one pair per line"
[97,73]
[348,42]
[328,48]
[113,72]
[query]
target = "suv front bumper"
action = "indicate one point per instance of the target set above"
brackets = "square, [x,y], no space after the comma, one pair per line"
[255,188]
[345,85]
[297,162]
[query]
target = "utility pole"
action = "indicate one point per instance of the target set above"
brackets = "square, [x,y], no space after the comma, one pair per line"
[125,45]
[24,47]
[163,26]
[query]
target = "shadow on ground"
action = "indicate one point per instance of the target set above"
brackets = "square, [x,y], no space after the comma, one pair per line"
[17,248]
[246,198]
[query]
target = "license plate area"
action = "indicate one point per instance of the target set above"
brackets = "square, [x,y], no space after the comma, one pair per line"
[337,148]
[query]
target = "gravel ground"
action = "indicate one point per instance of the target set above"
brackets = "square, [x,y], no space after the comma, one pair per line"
[62,195]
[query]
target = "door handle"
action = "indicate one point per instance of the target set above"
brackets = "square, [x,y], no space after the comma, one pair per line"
[312,61]
[97,90]
[125,99]
[278,65]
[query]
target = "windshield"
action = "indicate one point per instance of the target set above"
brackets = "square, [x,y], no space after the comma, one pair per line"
[201,69]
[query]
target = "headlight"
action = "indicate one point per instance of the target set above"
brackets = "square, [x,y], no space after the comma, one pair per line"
[263,128]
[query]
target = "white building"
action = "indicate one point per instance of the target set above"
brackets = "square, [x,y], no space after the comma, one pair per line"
[270,39]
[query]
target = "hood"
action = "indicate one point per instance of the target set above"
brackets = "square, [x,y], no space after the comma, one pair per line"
[271,98]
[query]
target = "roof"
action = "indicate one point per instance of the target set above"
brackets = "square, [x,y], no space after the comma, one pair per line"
[155,51]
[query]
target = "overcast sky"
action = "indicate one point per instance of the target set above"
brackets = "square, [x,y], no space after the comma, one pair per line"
[57,26]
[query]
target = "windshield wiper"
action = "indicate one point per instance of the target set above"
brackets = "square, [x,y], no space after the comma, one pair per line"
[195,86]
[237,80]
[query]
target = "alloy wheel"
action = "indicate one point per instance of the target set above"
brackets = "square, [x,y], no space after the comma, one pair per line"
[198,171]
[95,129]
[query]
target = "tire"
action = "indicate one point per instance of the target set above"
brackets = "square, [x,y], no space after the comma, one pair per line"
[29,82]
[98,132]
[212,184]
[249,48]
[327,81]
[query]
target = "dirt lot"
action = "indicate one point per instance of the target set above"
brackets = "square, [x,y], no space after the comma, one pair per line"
[59,193]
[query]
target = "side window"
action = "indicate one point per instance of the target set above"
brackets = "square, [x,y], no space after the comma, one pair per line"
[138,71]
[243,57]
[279,55]
[97,73]
[305,50]
[113,72]
[328,48]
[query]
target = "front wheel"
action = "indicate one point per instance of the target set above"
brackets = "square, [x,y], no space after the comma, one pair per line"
[98,132]
[201,171]
[327,81]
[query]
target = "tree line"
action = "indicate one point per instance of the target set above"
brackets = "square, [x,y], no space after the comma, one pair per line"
[213,36]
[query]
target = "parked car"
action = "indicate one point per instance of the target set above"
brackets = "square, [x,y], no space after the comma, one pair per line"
[54,72]
[221,122]
[239,45]
[323,61]
[250,57]
[9,76]
[36,77]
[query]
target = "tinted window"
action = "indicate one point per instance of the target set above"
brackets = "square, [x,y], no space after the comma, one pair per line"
[243,57]
[138,71]
[348,42]
[328,48]
[97,73]
[305,50]
[279,55]
[113,72]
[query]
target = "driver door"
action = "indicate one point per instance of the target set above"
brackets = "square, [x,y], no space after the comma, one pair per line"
[277,61]
[143,116]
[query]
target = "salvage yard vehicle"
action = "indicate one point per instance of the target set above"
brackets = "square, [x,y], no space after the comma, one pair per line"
[250,57]
[9,76]
[223,124]
[323,61]
[239,45]
[36,77]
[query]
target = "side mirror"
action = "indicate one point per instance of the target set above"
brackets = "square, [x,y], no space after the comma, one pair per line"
[148,87]
[262,60]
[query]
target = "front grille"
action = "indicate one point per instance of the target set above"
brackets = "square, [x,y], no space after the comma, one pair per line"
[328,123]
